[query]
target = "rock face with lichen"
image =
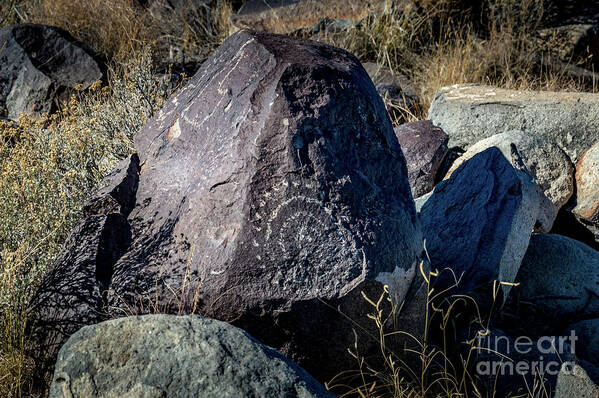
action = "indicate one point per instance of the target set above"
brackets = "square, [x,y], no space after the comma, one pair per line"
[272,191]
[186,356]
[469,113]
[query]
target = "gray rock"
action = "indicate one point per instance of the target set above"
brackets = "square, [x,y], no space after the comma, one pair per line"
[37,64]
[573,381]
[158,356]
[424,147]
[272,191]
[586,204]
[470,113]
[478,222]
[545,162]
[558,282]
[398,92]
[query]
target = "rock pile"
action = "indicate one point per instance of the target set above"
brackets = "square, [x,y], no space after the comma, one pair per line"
[38,64]
[272,192]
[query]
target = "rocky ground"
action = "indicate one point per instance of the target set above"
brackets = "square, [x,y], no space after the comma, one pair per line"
[284,226]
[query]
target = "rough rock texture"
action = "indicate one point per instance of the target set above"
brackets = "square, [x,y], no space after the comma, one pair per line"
[478,222]
[545,162]
[158,356]
[398,92]
[587,186]
[286,16]
[37,64]
[272,190]
[558,282]
[469,113]
[424,147]
[118,194]
[587,333]
[573,381]
[73,292]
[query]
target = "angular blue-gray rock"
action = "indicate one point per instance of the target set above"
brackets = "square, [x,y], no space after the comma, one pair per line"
[479,221]
[558,282]
[157,356]
[37,64]
[544,161]
[424,147]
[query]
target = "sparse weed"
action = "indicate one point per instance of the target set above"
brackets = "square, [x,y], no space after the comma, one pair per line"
[414,364]
[116,29]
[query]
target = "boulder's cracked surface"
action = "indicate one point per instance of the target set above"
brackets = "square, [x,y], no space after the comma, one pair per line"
[272,191]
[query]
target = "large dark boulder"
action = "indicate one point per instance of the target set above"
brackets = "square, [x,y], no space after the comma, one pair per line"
[37,64]
[272,192]
[158,356]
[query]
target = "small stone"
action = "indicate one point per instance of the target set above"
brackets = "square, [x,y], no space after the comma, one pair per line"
[158,356]
[424,147]
[573,381]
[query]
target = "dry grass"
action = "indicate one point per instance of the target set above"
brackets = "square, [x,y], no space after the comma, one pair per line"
[419,366]
[436,47]
[48,167]
[116,29]
[12,11]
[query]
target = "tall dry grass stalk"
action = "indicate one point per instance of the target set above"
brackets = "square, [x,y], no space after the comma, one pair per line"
[415,365]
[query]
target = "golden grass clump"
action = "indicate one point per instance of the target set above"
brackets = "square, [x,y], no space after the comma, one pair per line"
[48,167]
[116,29]
[436,47]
